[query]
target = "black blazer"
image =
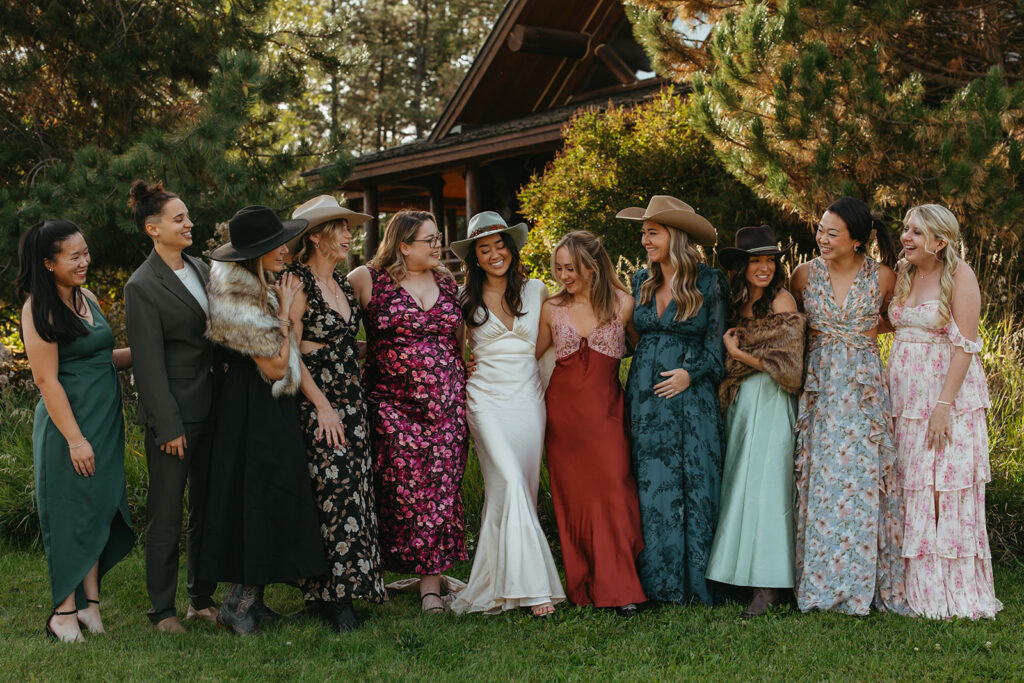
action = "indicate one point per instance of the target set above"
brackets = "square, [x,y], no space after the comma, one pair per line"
[171,357]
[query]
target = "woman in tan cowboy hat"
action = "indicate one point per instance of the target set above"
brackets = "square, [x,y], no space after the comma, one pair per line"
[754,541]
[680,314]
[261,525]
[513,566]
[325,319]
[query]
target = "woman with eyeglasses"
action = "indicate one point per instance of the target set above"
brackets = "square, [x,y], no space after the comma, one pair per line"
[415,382]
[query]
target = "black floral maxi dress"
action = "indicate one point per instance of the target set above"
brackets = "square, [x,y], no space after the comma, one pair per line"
[342,477]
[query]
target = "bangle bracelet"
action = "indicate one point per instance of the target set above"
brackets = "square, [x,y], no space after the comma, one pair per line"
[285,321]
[78,445]
[945,403]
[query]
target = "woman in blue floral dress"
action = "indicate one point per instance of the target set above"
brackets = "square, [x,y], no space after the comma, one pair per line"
[672,397]
[848,494]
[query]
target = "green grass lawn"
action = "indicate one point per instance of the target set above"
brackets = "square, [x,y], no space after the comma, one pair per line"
[398,642]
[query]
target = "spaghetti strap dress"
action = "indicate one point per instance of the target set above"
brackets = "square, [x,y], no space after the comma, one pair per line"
[592,485]
[415,383]
[83,519]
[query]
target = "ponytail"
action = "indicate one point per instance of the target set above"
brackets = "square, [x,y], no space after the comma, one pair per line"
[886,244]
[54,321]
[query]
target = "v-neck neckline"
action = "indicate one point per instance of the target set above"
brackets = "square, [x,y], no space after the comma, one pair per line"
[831,286]
[323,299]
[415,301]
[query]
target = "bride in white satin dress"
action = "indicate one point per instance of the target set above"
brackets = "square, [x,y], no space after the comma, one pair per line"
[513,566]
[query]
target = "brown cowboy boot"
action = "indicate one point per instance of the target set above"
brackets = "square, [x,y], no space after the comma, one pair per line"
[236,612]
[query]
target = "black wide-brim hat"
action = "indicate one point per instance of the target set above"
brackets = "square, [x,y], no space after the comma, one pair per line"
[255,231]
[751,241]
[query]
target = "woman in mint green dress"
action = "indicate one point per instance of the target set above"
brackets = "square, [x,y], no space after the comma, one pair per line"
[753,544]
[78,437]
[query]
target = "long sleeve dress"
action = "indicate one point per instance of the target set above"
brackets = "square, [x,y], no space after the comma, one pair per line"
[754,540]
[677,443]
[513,566]
[588,459]
[415,383]
[948,562]
[848,496]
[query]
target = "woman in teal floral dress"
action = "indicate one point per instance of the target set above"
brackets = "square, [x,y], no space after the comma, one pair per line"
[848,518]
[672,397]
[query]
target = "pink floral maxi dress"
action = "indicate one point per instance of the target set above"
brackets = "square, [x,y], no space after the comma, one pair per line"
[415,381]
[848,496]
[948,562]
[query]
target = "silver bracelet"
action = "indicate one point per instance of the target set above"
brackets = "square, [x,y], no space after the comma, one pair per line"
[945,403]
[78,445]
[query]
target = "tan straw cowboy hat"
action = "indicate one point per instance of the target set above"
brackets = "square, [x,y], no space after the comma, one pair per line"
[320,210]
[488,223]
[673,213]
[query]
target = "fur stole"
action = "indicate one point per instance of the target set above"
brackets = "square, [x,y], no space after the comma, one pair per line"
[241,323]
[777,340]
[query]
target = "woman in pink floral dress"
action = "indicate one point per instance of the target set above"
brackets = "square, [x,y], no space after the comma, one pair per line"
[415,384]
[939,398]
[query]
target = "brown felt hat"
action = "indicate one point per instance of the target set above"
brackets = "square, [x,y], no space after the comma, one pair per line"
[751,241]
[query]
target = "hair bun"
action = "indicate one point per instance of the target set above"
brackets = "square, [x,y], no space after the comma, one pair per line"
[140,190]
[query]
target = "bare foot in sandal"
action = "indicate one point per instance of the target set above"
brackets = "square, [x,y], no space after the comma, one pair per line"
[543,610]
[431,603]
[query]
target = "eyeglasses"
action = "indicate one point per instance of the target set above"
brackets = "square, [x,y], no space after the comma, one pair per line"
[434,240]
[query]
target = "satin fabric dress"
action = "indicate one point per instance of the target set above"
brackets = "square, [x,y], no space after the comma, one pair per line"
[948,562]
[513,566]
[754,540]
[594,491]
[83,519]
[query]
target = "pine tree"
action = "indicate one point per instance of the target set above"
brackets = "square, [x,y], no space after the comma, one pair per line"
[900,102]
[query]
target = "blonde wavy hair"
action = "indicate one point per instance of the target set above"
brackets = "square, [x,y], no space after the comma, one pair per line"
[586,251]
[329,231]
[938,224]
[401,229]
[685,256]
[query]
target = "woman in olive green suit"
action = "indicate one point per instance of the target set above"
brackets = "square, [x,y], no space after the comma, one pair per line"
[78,437]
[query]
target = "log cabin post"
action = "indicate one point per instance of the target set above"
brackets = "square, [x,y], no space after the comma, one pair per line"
[472,191]
[370,204]
[437,206]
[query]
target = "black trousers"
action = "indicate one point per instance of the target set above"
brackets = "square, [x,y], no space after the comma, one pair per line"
[168,477]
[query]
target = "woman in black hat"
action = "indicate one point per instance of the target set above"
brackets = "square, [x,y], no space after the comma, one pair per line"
[262,525]
[753,544]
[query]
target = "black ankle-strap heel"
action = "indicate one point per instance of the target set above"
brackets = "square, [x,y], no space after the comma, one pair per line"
[49,630]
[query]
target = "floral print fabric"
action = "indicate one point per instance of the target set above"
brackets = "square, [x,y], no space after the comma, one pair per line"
[342,477]
[678,443]
[416,387]
[848,496]
[948,561]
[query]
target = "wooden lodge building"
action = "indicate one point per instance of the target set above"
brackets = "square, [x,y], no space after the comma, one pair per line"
[543,61]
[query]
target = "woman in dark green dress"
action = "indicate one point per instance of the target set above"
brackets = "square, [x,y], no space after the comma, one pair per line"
[676,435]
[78,436]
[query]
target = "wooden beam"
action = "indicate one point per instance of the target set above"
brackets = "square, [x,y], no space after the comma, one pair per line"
[451,225]
[537,40]
[437,202]
[616,64]
[472,190]
[370,205]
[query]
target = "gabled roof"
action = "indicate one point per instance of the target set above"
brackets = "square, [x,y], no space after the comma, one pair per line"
[505,84]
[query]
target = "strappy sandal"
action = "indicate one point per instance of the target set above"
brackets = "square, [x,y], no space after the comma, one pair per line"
[83,623]
[53,634]
[431,610]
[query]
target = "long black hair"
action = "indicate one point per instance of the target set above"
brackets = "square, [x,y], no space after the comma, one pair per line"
[472,298]
[740,289]
[54,321]
[860,222]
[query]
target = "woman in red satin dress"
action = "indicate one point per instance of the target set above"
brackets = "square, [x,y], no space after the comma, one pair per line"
[594,491]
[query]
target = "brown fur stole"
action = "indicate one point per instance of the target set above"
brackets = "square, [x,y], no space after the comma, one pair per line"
[241,322]
[777,340]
